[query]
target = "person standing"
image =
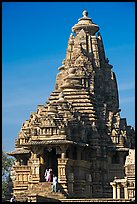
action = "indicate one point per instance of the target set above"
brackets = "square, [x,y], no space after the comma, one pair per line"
[54,184]
[13,199]
[47,175]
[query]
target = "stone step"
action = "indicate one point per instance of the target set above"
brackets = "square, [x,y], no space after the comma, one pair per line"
[95,200]
[55,195]
[44,189]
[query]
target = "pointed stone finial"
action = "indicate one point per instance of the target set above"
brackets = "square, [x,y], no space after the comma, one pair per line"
[85,14]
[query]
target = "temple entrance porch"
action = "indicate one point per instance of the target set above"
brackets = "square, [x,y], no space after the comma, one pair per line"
[70,163]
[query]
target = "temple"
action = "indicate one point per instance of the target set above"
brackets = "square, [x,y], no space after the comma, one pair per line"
[78,132]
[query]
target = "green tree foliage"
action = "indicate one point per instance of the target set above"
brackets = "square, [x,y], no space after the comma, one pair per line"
[7,163]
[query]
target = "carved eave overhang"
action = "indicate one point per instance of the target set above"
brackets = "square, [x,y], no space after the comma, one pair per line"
[54,142]
[19,151]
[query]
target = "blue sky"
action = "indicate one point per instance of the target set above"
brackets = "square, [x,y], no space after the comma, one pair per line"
[34,42]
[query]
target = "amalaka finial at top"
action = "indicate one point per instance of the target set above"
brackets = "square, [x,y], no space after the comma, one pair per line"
[86,24]
[85,14]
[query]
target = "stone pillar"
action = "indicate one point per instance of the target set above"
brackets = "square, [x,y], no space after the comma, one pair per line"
[62,176]
[34,155]
[114,190]
[63,155]
[42,168]
[35,166]
[41,159]
[118,190]
[63,168]
[125,191]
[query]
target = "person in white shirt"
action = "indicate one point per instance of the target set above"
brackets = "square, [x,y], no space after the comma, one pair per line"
[12,199]
[54,184]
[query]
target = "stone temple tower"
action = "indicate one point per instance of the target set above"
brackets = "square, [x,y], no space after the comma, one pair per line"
[79,132]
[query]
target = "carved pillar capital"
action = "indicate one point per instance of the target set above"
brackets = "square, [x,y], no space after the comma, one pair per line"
[113,184]
[37,151]
[118,185]
[63,148]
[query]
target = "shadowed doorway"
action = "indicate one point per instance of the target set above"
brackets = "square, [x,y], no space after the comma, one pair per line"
[51,159]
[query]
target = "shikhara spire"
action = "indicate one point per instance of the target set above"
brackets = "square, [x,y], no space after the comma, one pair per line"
[79,132]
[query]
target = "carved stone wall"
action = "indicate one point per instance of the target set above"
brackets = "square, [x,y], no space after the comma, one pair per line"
[81,121]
